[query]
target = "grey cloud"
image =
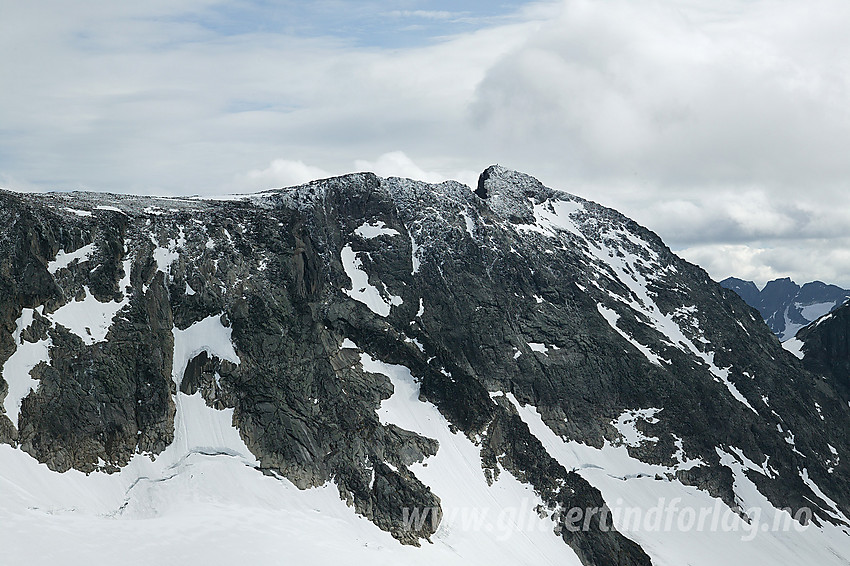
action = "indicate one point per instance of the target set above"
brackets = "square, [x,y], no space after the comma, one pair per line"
[150,115]
[760,261]
[676,95]
[729,217]
[723,127]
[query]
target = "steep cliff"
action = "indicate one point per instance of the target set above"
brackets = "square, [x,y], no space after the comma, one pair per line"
[565,348]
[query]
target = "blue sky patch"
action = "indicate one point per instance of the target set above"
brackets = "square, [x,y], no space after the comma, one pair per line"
[387,24]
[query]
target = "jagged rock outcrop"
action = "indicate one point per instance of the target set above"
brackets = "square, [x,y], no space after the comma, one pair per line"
[513,289]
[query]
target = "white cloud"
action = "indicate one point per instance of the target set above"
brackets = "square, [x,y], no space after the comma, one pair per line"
[142,105]
[680,94]
[722,126]
[726,215]
[398,164]
[716,124]
[281,173]
[288,172]
[426,14]
[802,260]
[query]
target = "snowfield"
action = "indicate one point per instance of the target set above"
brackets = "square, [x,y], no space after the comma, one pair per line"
[675,535]
[203,502]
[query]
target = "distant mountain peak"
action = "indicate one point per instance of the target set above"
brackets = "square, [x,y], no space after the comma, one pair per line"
[747,290]
[786,306]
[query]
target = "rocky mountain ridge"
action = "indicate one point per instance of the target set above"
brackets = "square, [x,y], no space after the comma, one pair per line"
[787,307]
[565,347]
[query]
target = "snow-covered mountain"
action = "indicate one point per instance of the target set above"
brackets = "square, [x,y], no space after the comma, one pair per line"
[386,371]
[787,307]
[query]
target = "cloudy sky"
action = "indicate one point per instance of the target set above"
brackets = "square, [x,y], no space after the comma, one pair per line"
[723,125]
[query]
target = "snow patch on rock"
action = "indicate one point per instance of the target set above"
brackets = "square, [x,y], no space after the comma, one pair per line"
[612,317]
[207,335]
[361,290]
[650,511]
[795,346]
[626,425]
[368,231]
[63,259]
[16,370]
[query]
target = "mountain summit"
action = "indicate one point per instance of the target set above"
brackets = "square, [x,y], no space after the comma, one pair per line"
[388,371]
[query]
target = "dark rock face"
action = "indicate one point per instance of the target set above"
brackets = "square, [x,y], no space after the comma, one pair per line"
[94,402]
[826,348]
[785,306]
[511,289]
[747,290]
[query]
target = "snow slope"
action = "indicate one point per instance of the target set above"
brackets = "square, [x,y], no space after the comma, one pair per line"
[361,290]
[486,524]
[675,534]
[202,502]
[631,264]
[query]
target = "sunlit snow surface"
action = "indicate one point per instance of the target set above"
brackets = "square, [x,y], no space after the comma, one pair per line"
[202,502]
[16,370]
[627,484]
[379,301]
